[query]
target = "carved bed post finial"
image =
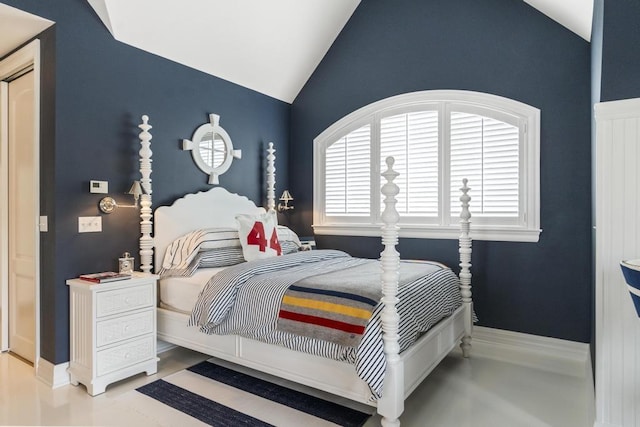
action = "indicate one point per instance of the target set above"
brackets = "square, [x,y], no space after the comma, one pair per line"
[465,267]
[391,404]
[146,214]
[271,178]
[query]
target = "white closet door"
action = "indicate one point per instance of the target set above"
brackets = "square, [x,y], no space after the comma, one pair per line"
[22,218]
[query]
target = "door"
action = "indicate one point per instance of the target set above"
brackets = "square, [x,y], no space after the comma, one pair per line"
[22,216]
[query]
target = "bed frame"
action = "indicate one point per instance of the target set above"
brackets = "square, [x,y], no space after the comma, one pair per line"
[403,373]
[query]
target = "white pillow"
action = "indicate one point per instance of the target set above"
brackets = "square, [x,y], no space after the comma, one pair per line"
[258,235]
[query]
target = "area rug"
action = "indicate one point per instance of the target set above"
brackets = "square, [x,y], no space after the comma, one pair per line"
[211,394]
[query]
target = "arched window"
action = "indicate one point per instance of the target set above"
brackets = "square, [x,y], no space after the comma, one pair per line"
[437,138]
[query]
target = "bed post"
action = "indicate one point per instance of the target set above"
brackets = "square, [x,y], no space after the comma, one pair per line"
[146,214]
[271,178]
[391,405]
[465,268]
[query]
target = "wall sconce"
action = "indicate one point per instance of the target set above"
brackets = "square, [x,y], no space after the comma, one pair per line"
[108,204]
[286,198]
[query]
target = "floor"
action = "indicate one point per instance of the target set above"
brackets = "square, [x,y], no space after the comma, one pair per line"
[475,392]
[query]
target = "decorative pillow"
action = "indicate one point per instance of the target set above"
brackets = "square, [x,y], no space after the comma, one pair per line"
[210,258]
[289,240]
[258,235]
[179,256]
[221,257]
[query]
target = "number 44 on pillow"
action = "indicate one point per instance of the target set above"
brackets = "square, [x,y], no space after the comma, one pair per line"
[257,236]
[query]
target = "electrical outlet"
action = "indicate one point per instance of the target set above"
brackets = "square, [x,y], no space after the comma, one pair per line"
[89,224]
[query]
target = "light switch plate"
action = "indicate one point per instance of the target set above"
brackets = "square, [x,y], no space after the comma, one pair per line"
[89,224]
[43,223]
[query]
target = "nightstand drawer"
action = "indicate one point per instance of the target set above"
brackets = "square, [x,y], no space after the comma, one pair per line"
[125,355]
[121,300]
[133,325]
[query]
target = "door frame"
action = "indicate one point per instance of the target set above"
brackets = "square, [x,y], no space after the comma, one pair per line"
[22,58]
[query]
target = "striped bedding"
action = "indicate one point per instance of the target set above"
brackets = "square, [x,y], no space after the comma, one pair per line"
[245,300]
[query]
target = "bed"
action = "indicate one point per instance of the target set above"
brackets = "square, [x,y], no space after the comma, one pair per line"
[403,370]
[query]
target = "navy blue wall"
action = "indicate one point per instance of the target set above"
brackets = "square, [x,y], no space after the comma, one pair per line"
[502,47]
[95,92]
[620,50]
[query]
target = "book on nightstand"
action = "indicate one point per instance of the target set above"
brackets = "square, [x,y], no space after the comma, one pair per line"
[107,276]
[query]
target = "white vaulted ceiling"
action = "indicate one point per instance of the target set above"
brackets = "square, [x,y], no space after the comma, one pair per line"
[576,15]
[271,46]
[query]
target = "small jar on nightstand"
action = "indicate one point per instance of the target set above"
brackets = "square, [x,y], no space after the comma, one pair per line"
[113,330]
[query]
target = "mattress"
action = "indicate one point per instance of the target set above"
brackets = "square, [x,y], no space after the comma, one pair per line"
[181,293]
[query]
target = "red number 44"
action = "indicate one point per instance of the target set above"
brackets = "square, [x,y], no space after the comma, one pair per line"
[258,237]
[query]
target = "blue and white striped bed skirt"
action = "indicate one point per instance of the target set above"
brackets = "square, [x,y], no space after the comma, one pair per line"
[631,271]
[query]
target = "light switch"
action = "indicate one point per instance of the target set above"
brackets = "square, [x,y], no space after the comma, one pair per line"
[89,224]
[43,224]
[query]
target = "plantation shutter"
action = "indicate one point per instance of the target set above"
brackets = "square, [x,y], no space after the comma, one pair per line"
[486,152]
[412,139]
[348,174]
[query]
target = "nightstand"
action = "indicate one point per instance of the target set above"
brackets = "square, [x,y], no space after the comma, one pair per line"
[112,330]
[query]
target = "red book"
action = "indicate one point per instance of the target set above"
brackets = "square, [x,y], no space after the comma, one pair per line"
[107,276]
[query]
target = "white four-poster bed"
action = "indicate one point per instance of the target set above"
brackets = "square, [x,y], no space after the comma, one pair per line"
[404,371]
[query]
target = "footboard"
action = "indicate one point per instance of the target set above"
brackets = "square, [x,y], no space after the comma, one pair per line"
[328,375]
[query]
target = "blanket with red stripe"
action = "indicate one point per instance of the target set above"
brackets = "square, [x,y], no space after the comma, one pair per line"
[336,306]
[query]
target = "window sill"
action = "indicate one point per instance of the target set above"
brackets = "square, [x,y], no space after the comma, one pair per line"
[504,234]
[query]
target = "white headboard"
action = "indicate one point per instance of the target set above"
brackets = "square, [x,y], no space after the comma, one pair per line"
[212,208]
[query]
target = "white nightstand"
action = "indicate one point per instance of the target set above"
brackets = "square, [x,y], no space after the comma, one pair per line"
[112,330]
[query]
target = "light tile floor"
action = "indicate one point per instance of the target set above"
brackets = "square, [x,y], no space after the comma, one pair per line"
[475,392]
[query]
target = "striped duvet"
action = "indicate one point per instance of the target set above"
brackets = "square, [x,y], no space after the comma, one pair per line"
[246,299]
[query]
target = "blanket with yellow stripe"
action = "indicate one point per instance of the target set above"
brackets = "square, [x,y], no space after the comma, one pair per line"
[337,306]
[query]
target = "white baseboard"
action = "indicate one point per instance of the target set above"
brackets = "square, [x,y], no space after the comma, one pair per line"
[549,354]
[162,346]
[53,375]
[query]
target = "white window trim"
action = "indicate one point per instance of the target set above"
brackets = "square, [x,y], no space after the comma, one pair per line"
[527,231]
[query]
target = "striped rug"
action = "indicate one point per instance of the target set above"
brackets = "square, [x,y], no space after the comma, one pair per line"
[211,394]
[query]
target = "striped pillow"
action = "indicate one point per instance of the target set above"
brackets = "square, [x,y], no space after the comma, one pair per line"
[221,257]
[180,255]
[289,240]
[209,258]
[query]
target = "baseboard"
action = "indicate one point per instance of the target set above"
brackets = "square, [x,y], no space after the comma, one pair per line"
[53,375]
[162,346]
[549,354]
[591,396]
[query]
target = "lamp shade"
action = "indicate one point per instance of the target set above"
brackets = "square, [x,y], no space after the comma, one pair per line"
[135,190]
[286,196]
